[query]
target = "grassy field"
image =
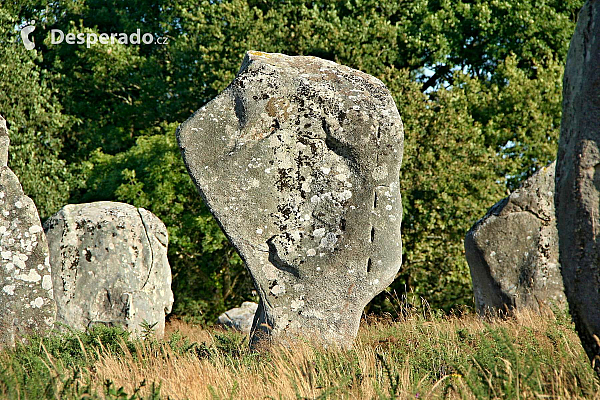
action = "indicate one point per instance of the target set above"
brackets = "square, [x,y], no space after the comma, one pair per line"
[415,355]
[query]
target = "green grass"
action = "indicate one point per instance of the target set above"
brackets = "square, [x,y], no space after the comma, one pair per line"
[417,355]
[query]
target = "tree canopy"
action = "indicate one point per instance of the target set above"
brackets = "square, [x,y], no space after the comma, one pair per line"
[477,83]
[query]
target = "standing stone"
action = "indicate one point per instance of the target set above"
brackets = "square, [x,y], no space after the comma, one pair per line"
[513,250]
[109,266]
[26,303]
[239,318]
[578,180]
[298,159]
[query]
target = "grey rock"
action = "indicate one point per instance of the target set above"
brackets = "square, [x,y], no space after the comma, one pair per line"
[298,160]
[110,266]
[239,318]
[513,250]
[26,303]
[4,142]
[578,180]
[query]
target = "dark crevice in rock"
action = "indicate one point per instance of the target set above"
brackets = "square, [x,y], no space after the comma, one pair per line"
[149,247]
[240,109]
[276,260]
[530,211]
[338,147]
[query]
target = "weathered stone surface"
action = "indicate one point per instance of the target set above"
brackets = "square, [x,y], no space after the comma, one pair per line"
[298,159]
[513,250]
[4,142]
[26,303]
[239,318]
[110,266]
[578,180]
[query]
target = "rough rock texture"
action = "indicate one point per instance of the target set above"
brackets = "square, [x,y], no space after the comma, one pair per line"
[26,303]
[513,250]
[298,160]
[109,266]
[578,180]
[239,318]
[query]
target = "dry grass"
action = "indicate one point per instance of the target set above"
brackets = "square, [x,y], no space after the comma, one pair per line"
[529,356]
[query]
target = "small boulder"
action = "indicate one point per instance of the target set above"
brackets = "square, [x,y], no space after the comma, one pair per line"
[239,318]
[299,160]
[26,297]
[513,250]
[110,266]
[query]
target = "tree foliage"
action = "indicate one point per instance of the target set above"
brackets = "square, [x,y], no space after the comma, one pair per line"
[35,120]
[477,83]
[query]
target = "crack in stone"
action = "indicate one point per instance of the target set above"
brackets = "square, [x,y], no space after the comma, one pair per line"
[536,215]
[151,250]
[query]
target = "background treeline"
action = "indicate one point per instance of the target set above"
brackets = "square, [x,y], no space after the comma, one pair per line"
[477,82]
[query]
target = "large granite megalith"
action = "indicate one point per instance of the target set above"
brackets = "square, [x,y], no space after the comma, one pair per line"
[298,159]
[513,250]
[109,266]
[26,303]
[578,180]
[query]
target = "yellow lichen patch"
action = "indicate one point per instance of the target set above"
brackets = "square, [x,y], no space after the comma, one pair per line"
[259,54]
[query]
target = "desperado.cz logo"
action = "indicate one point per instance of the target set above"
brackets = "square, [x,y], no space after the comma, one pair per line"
[89,38]
[25,31]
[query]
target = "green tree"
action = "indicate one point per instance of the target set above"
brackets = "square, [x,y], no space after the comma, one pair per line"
[209,277]
[477,83]
[34,115]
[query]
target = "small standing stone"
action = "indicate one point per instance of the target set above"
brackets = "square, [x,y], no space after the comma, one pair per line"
[299,159]
[110,266]
[26,298]
[513,250]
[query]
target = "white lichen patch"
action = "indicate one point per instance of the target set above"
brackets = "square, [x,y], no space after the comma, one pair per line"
[344,196]
[298,287]
[306,187]
[259,231]
[328,241]
[296,304]
[37,303]
[312,313]
[35,229]
[32,276]
[311,252]
[326,170]
[47,282]
[9,289]
[320,232]
[278,290]
[380,172]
